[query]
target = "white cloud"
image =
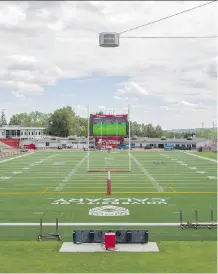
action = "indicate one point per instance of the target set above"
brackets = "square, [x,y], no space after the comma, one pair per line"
[80,107]
[42,42]
[120,97]
[166,108]
[102,107]
[17,94]
[129,90]
[190,104]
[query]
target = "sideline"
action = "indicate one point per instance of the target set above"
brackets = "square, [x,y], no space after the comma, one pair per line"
[97,224]
[6,160]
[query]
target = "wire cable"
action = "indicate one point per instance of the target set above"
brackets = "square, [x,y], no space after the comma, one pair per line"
[167,17]
[168,37]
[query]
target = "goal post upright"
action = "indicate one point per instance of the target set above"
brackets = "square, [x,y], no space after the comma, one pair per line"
[88,132]
[129,133]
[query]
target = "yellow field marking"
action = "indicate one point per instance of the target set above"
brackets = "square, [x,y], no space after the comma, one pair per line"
[45,189]
[173,190]
[128,192]
[19,193]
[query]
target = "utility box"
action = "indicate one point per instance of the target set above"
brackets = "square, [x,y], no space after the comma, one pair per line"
[110,240]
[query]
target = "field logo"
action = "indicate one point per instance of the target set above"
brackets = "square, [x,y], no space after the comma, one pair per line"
[109,201]
[109,211]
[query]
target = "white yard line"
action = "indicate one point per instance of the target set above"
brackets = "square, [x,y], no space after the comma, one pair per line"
[205,158]
[6,160]
[69,175]
[96,224]
[153,181]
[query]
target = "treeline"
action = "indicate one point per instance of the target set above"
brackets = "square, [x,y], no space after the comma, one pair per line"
[64,122]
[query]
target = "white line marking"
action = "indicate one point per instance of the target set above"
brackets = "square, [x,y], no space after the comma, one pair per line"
[6,160]
[205,158]
[96,224]
[211,177]
[72,172]
[193,183]
[154,182]
[17,172]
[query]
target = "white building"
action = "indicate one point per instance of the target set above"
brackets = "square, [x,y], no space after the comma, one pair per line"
[14,131]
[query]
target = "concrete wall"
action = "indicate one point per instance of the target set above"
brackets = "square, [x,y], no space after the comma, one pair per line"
[41,143]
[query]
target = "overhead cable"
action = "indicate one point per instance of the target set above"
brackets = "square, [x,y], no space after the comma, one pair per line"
[168,37]
[167,17]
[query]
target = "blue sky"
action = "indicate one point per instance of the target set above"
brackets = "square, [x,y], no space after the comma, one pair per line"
[50,58]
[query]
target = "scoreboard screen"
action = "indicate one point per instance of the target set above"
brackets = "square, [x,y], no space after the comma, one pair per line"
[109,125]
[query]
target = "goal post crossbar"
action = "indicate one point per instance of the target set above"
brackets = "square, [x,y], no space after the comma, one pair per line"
[106,170]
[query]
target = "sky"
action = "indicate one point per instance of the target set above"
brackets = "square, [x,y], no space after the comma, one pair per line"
[50,58]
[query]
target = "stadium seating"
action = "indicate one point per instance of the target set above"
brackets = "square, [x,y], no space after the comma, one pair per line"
[9,143]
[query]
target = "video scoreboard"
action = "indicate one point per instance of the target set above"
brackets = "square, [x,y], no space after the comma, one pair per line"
[108,124]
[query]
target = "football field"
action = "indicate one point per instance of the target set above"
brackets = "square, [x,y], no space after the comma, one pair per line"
[56,184]
[52,184]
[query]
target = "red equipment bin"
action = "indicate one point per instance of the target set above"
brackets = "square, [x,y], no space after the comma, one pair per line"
[110,240]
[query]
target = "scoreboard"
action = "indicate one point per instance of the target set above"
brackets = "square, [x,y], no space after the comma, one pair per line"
[108,125]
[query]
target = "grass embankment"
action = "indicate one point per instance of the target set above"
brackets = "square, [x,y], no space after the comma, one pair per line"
[174,257]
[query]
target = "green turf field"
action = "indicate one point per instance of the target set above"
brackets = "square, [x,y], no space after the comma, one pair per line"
[52,184]
[174,257]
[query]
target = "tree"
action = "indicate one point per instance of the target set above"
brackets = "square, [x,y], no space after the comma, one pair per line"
[82,125]
[3,120]
[22,119]
[158,132]
[150,130]
[207,133]
[62,122]
[134,129]
[33,119]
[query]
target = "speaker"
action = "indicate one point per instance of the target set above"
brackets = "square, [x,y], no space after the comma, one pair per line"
[74,236]
[118,233]
[91,235]
[128,236]
[146,236]
[122,235]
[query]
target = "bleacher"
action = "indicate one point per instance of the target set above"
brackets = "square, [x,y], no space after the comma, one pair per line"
[7,143]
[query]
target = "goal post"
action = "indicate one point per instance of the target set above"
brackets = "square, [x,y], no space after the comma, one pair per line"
[88,134]
[129,137]
[110,128]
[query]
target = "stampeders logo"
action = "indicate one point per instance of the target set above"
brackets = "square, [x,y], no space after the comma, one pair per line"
[109,211]
[109,201]
[108,142]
